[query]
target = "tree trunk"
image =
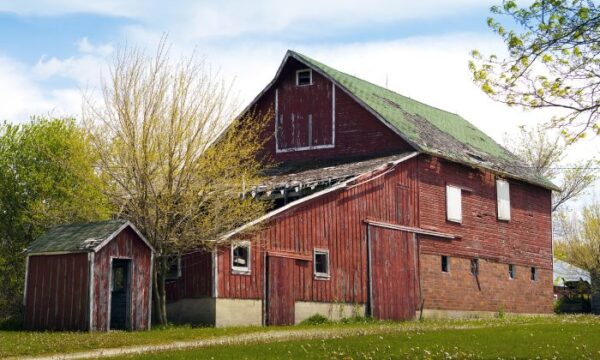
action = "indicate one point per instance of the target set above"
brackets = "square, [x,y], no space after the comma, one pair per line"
[159,294]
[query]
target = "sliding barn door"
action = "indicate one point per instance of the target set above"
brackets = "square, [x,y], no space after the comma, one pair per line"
[392,287]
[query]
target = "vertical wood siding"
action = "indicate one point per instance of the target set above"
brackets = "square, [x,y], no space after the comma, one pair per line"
[57,292]
[196,277]
[333,222]
[282,289]
[126,245]
[357,132]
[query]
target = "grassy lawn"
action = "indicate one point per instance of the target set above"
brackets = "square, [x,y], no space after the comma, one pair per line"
[557,338]
[561,336]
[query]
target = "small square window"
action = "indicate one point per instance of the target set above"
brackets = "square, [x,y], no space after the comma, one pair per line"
[533,274]
[321,260]
[174,267]
[475,267]
[512,271]
[240,256]
[445,264]
[304,77]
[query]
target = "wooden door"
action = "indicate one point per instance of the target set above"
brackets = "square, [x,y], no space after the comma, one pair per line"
[120,294]
[392,283]
[281,299]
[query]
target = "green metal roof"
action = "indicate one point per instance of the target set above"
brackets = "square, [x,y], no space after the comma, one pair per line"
[429,129]
[81,237]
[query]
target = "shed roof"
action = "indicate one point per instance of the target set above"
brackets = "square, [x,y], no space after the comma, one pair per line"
[565,272]
[429,129]
[80,237]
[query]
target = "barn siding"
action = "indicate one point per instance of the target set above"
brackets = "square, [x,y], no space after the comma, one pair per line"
[357,132]
[196,277]
[333,221]
[126,245]
[57,292]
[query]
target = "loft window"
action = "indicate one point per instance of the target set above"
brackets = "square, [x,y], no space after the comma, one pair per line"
[304,77]
[512,271]
[533,274]
[503,198]
[173,267]
[454,204]
[445,263]
[321,261]
[475,267]
[240,256]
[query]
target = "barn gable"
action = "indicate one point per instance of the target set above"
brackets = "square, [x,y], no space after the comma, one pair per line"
[425,128]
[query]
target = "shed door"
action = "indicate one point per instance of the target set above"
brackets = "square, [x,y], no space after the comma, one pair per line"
[281,297]
[120,294]
[392,274]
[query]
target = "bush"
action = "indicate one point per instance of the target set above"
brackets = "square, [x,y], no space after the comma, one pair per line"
[11,324]
[357,320]
[316,319]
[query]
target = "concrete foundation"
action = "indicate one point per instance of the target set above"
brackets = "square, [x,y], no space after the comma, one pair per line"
[459,314]
[332,311]
[216,312]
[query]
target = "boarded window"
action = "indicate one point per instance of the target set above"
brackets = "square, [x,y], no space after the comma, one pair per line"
[304,77]
[174,267]
[454,203]
[240,256]
[445,264]
[503,195]
[475,267]
[512,271]
[321,261]
[533,274]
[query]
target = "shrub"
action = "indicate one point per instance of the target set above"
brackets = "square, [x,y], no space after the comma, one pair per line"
[316,319]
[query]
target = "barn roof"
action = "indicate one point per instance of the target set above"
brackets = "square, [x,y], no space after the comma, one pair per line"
[80,237]
[426,128]
[565,272]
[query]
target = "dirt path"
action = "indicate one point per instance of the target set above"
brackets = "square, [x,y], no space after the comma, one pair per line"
[250,338]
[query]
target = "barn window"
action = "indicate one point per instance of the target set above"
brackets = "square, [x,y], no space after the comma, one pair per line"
[512,271]
[503,196]
[445,265]
[454,203]
[304,77]
[475,267]
[240,256]
[533,274]
[321,263]
[174,267]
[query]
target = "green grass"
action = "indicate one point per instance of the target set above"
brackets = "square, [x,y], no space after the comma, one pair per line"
[560,336]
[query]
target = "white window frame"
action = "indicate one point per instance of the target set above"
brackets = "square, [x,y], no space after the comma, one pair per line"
[503,205]
[178,275]
[242,269]
[310,76]
[450,191]
[320,275]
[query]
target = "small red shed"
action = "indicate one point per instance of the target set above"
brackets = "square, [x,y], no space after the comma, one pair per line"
[91,276]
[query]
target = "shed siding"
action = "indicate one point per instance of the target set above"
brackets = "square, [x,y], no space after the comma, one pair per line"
[126,245]
[57,292]
[357,132]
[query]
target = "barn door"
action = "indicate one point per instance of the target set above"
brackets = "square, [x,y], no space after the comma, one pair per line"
[280,285]
[120,294]
[391,274]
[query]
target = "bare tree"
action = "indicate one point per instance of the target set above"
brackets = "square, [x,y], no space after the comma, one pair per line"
[544,154]
[174,159]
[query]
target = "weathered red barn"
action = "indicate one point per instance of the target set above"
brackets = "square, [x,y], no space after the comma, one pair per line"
[92,276]
[384,206]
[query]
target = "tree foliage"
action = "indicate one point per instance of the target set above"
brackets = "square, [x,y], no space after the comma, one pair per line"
[47,177]
[581,239]
[174,163]
[553,61]
[545,155]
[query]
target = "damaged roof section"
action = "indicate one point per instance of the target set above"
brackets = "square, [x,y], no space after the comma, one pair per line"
[314,175]
[429,129]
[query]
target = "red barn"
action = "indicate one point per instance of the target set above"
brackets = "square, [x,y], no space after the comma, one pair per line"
[93,276]
[384,206]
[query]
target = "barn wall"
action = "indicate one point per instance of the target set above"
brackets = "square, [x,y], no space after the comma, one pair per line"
[196,277]
[334,222]
[126,245]
[357,132]
[525,240]
[57,292]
